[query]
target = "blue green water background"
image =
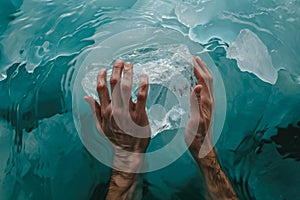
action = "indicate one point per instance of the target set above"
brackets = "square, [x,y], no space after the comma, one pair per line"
[41,155]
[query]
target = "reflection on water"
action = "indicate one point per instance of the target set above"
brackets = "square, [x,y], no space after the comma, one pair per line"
[42,42]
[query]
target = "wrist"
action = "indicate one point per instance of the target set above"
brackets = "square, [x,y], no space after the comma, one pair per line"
[217,182]
[127,161]
[122,180]
[212,155]
[210,160]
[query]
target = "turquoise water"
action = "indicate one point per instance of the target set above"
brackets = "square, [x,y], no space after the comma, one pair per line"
[254,45]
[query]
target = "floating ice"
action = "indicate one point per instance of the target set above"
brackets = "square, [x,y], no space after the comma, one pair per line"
[169,69]
[193,13]
[166,57]
[252,56]
[188,15]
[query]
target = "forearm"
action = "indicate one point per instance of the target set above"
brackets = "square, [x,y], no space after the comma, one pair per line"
[218,185]
[124,185]
[125,182]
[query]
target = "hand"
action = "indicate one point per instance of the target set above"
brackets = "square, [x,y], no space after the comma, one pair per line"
[202,107]
[125,124]
[119,119]
[199,135]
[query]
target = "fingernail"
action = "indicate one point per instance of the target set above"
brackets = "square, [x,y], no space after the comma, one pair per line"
[102,72]
[118,62]
[197,57]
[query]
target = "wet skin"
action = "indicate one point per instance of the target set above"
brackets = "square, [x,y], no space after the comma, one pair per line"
[124,181]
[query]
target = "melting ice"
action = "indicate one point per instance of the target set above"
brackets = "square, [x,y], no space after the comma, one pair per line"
[252,56]
[169,69]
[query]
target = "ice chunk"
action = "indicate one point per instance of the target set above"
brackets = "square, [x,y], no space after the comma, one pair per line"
[193,13]
[169,69]
[252,56]
[188,15]
[166,57]
[158,8]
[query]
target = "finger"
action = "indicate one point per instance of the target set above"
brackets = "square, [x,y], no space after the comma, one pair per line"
[199,73]
[96,111]
[126,85]
[202,79]
[202,73]
[116,98]
[102,88]
[195,103]
[116,74]
[202,65]
[194,121]
[142,93]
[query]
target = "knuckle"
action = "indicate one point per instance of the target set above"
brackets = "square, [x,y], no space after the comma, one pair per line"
[113,80]
[126,86]
[143,87]
[105,113]
[135,117]
[101,86]
[142,96]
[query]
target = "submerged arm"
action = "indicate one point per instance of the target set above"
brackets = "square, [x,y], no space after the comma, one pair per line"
[125,185]
[125,125]
[217,183]
[199,135]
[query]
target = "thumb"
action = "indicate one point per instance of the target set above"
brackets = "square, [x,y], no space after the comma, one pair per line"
[96,109]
